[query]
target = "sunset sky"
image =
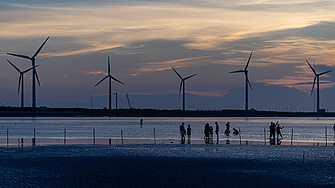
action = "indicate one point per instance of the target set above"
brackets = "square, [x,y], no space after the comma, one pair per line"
[145,39]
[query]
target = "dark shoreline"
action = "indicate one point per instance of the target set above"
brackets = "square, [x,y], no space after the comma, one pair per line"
[84,112]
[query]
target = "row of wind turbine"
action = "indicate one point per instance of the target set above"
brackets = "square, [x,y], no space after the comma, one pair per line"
[34,76]
[182,83]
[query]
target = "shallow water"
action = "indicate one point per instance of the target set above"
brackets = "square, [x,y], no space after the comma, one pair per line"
[304,129]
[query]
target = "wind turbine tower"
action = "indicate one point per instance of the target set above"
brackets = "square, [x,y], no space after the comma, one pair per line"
[115,99]
[317,79]
[34,76]
[182,84]
[109,83]
[21,80]
[247,82]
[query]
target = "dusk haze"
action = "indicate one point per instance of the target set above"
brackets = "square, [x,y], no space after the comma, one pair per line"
[144,39]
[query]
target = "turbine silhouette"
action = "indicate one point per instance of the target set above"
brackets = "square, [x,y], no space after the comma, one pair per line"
[110,84]
[34,76]
[247,82]
[317,78]
[182,84]
[21,80]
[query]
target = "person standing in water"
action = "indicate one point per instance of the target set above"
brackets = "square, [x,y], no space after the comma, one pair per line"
[217,131]
[206,131]
[189,133]
[278,131]
[227,131]
[182,132]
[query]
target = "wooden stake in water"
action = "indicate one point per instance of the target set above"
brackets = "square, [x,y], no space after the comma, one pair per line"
[264,136]
[7,138]
[239,133]
[93,136]
[64,136]
[292,138]
[34,139]
[154,135]
[326,133]
[121,137]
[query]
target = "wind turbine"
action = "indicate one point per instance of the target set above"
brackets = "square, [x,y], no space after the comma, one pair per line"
[317,78]
[34,76]
[21,79]
[182,84]
[247,82]
[110,84]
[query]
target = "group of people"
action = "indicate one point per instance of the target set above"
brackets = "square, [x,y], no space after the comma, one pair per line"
[183,131]
[209,131]
[275,128]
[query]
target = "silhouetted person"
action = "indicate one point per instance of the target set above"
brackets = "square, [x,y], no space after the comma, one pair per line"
[278,128]
[182,132]
[189,133]
[217,131]
[206,131]
[141,122]
[272,130]
[227,131]
[211,132]
[235,131]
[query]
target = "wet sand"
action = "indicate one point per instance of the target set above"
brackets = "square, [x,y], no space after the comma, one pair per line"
[173,165]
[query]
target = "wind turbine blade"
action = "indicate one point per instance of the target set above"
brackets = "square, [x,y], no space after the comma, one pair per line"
[313,85]
[189,77]
[177,73]
[236,71]
[117,80]
[248,61]
[181,84]
[311,67]
[249,83]
[101,81]
[38,80]
[324,72]
[29,69]
[38,51]
[109,69]
[18,70]
[18,55]
[18,88]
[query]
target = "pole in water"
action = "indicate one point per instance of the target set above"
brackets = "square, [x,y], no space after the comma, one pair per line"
[154,135]
[7,138]
[121,137]
[94,136]
[326,133]
[303,157]
[292,138]
[34,139]
[264,136]
[64,136]
[239,132]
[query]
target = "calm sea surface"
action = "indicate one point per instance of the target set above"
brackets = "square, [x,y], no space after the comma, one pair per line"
[304,129]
